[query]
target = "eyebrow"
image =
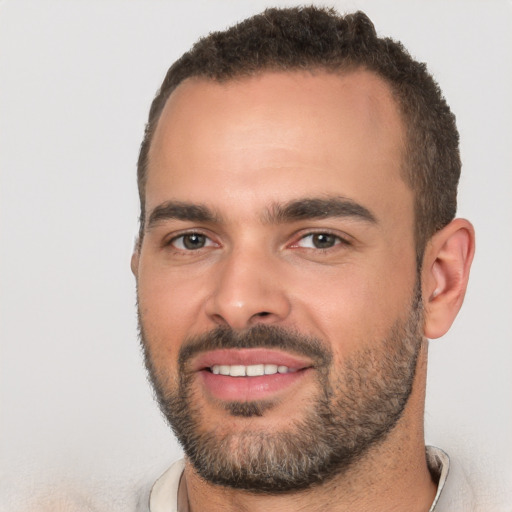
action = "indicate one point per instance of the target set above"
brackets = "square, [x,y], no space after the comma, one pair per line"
[319,208]
[300,209]
[177,210]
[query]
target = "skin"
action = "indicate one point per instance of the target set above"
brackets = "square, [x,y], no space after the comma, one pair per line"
[240,148]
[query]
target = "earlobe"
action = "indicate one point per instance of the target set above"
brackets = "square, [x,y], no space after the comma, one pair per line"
[445,274]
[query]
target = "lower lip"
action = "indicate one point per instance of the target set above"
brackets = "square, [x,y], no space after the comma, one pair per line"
[246,389]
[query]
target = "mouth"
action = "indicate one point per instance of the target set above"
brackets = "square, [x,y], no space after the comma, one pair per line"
[253,370]
[249,374]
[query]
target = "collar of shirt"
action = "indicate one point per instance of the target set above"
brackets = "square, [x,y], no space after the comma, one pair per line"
[455,497]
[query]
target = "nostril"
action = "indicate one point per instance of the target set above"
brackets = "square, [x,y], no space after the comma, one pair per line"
[263,313]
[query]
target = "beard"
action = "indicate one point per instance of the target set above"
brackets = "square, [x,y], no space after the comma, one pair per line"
[355,407]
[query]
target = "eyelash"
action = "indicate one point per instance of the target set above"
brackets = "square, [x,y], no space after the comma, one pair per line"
[182,236]
[338,240]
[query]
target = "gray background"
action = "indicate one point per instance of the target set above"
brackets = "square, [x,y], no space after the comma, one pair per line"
[77,420]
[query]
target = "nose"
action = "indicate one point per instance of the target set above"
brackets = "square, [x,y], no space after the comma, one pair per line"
[248,289]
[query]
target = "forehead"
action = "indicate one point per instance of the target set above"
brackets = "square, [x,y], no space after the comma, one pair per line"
[279,129]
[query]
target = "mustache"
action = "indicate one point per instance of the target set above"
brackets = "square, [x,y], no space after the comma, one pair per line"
[259,336]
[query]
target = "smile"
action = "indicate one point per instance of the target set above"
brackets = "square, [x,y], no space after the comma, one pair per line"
[249,374]
[253,370]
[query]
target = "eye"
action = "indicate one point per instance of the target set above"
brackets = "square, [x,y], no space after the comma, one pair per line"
[191,242]
[319,241]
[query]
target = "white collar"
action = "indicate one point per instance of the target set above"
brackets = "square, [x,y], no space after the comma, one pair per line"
[164,494]
[439,464]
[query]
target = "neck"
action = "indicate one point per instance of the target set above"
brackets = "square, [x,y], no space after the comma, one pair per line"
[392,476]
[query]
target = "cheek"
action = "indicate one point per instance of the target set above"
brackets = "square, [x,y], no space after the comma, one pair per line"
[343,311]
[169,310]
[355,307]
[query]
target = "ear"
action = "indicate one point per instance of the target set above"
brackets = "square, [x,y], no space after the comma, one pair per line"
[134,262]
[445,275]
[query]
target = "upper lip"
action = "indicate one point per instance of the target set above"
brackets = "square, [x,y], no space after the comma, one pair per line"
[249,356]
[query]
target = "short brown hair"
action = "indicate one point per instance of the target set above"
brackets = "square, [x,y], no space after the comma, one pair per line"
[307,38]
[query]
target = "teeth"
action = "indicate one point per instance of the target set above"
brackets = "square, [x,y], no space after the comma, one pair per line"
[253,370]
[270,369]
[237,370]
[224,370]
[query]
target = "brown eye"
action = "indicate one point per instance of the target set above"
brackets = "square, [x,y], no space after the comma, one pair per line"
[190,241]
[319,241]
[323,240]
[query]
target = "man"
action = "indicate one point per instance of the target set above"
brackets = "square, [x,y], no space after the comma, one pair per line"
[297,248]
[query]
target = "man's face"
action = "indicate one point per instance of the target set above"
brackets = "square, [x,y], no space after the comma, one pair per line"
[277,285]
